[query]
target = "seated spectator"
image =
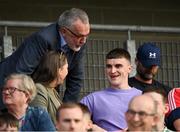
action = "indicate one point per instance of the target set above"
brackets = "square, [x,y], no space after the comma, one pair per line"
[159,95]
[18,91]
[108,106]
[147,65]
[8,122]
[142,114]
[49,75]
[70,117]
[173,118]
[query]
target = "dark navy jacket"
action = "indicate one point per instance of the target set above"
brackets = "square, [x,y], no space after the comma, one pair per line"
[27,57]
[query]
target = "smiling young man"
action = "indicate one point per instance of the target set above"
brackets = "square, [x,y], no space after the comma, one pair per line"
[108,106]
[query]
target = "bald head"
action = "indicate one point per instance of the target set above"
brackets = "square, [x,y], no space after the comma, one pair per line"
[141,114]
[144,101]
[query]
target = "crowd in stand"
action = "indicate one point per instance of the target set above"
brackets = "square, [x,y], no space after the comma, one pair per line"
[31,76]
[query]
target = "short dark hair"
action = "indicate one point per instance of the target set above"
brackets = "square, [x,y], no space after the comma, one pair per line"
[9,120]
[118,53]
[48,66]
[85,109]
[68,105]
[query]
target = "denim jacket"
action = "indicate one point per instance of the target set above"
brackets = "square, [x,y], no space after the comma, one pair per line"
[37,119]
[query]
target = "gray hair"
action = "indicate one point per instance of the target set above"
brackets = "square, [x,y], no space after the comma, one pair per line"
[27,84]
[68,17]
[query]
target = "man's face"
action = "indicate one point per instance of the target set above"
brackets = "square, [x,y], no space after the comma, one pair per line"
[76,35]
[117,71]
[161,107]
[140,117]
[12,95]
[70,119]
[146,73]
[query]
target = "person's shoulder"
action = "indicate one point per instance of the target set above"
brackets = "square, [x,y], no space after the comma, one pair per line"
[133,81]
[173,115]
[36,110]
[93,95]
[136,90]
[174,97]
[43,31]
[52,26]
[49,33]
[161,85]
[96,93]
[176,90]
[41,88]
[156,82]
[102,91]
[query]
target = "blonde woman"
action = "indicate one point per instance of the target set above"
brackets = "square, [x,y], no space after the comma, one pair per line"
[18,91]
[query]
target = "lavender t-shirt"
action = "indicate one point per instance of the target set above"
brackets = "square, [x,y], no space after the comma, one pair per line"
[108,107]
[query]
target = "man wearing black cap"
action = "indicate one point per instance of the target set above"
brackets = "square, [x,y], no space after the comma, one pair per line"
[147,62]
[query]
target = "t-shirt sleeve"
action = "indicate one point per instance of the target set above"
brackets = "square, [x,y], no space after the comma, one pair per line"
[89,102]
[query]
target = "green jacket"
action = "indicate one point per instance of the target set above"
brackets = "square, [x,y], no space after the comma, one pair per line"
[47,98]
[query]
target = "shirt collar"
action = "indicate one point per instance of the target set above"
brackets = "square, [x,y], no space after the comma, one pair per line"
[63,42]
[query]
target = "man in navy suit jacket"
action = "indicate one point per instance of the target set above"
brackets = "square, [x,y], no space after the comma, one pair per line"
[69,34]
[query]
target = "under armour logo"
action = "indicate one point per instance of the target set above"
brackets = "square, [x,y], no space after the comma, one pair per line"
[152,55]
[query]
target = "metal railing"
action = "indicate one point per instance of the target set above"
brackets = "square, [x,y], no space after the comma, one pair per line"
[99,46]
[127,28]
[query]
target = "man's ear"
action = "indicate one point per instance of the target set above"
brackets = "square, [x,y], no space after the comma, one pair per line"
[166,108]
[28,97]
[89,125]
[126,116]
[130,68]
[62,31]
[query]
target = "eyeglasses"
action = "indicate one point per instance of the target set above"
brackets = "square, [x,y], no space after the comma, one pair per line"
[76,35]
[141,114]
[11,90]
